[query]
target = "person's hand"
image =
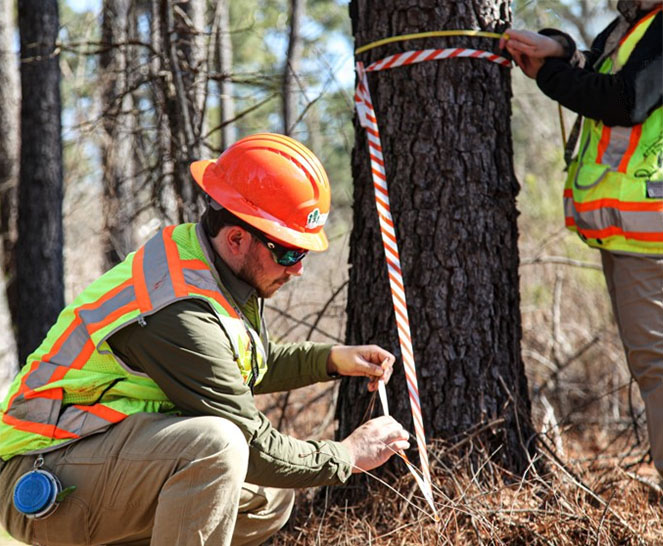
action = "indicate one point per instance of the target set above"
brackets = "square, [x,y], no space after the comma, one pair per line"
[361,360]
[374,442]
[530,49]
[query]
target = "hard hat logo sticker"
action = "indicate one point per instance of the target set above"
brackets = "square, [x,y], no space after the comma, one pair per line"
[315,219]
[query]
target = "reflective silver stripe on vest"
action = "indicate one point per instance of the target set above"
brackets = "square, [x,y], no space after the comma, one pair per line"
[81,422]
[201,278]
[159,284]
[46,410]
[35,410]
[155,271]
[119,300]
[69,350]
[619,141]
[569,209]
[204,280]
[629,221]
[157,275]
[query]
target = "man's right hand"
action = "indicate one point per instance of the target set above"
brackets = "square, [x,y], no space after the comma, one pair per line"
[374,442]
[530,49]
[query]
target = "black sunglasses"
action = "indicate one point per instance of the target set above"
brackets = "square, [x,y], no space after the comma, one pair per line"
[282,255]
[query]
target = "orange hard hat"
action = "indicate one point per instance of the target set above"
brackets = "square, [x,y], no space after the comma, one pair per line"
[273,183]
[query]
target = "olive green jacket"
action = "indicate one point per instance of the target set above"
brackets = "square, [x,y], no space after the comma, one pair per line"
[183,349]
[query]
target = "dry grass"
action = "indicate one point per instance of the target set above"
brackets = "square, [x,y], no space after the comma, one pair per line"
[598,497]
[598,486]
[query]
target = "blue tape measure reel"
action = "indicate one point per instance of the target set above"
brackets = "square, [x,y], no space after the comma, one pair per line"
[35,493]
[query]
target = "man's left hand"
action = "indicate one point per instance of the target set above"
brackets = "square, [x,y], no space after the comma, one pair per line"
[361,360]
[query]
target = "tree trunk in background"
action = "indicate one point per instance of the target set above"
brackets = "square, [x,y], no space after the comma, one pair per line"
[224,59]
[195,72]
[291,67]
[119,126]
[445,128]
[9,151]
[181,107]
[164,194]
[39,258]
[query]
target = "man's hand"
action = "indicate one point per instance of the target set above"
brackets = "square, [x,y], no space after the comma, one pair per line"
[530,49]
[361,360]
[374,442]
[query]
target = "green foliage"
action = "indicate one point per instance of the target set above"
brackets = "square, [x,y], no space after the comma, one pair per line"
[260,38]
[78,31]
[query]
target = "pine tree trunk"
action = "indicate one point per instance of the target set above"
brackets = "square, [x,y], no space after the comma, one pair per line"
[39,258]
[179,106]
[164,187]
[447,148]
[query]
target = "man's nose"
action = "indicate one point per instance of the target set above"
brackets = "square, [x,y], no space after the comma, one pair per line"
[295,270]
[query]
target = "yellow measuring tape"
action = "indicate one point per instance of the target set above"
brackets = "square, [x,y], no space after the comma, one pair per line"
[431,34]
[437,33]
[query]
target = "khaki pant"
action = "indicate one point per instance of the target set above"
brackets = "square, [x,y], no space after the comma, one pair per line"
[636,290]
[152,479]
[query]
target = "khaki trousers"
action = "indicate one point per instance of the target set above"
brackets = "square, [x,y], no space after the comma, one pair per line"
[152,479]
[635,285]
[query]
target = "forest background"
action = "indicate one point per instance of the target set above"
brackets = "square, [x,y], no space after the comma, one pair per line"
[583,398]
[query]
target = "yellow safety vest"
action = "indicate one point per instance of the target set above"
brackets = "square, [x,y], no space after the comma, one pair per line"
[613,196]
[73,385]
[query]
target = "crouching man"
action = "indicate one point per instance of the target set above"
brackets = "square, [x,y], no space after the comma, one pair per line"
[134,421]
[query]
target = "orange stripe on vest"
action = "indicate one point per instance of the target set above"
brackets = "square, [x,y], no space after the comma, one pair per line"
[103,412]
[50,431]
[613,230]
[174,266]
[142,295]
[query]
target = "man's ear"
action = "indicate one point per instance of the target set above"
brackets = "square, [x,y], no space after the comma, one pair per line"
[237,240]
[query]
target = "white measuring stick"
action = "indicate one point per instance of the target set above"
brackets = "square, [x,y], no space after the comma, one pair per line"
[383,397]
[428,494]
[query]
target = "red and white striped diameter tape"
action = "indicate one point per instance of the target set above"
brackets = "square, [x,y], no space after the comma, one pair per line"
[368,120]
[413,57]
[389,241]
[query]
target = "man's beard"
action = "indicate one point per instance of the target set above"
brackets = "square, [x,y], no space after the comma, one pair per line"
[249,273]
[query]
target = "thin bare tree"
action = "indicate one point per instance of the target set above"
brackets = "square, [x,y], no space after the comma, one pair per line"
[118,27]
[224,65]
[291,66]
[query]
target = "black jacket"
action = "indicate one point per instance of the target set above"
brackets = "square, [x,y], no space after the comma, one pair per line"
[625,98]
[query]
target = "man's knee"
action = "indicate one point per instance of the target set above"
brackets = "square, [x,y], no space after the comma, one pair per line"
[218,437]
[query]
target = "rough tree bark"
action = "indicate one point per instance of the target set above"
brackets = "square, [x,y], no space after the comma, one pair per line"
[163,186]
[173,31]
[196,68]
[291,66]
[448,158]
[39,260]
[119,124]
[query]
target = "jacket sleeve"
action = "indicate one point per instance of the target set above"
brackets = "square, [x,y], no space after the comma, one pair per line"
[625,98]
[184,350]
[294,365]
